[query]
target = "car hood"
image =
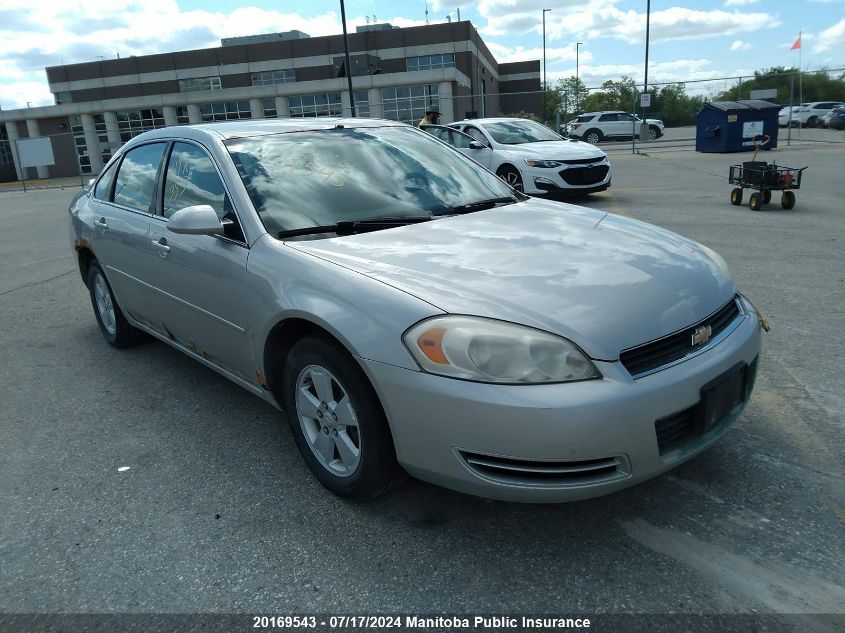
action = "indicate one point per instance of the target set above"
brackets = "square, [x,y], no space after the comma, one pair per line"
[561,150]
[605,282]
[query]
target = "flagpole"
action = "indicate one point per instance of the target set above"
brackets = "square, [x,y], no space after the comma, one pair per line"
[800,69]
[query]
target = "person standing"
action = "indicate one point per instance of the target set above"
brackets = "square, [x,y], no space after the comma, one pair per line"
[430,118]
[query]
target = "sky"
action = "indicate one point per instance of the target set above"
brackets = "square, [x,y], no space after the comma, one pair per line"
[688,40]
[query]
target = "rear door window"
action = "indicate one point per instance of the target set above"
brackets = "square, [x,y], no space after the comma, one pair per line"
[136,180]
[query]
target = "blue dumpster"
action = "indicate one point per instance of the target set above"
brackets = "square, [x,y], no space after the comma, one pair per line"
[731,126]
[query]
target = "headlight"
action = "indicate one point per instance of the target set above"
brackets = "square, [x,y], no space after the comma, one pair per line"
[486,350]
[548,164]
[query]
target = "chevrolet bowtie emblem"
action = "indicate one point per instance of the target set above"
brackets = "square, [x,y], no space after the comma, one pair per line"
[701,335]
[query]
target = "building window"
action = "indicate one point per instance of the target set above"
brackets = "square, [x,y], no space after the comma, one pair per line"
[225,111]
[81,147]
[269,106]
[182,115]
[316,105]
[409,103]
[430,62]
[270,77]
[134,122]
[62,97]
[5,148]
[199,84]
[362,103]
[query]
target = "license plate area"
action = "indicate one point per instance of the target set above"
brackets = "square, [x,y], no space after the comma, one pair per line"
[722,395]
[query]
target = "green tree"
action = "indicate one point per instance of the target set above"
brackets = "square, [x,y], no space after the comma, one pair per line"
[552,104]
[572,92]
[817,86]
[613,95]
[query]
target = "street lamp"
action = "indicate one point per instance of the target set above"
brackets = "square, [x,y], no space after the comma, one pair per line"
[348,66]
[544,50]
[644,125]
[577,69]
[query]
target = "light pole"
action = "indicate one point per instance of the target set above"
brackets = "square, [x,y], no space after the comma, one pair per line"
[348,66]
[644,125]
[544,52]
[577,71]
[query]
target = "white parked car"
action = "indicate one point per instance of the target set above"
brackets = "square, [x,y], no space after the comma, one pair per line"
[594,127]
[529,156]
[807,114]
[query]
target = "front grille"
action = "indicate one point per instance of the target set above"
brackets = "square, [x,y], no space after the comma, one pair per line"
[585,175]
[667,350]
[550,473]
[582,161]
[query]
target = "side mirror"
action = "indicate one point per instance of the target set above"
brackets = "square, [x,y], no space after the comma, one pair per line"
[477,145]
[198,220]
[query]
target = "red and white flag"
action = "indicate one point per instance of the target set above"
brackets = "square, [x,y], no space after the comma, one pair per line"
[797,43]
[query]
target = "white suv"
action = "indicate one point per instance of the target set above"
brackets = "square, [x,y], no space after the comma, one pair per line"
[598,126]
[807,114]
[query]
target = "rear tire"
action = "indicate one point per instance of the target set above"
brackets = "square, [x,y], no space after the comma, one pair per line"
[113,325]
[736,197]
[337,421]
[593,137]
[767,197]
[813,121]
[755,202]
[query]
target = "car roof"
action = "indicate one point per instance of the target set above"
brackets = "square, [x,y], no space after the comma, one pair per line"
[225,130]
[497,119]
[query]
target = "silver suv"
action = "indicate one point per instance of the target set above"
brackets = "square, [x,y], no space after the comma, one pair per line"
[594,127]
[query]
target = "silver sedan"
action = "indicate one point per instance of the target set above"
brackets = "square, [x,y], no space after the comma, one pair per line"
[411,312]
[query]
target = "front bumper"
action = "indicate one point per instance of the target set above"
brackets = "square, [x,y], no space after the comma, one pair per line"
[457,434]
[567,178]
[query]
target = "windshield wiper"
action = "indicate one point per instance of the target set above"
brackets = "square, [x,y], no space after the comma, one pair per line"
[481,205]
[350,227]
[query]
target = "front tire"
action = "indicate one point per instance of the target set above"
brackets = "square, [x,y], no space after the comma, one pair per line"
[653,133]
[511,176]
[113,324]
[337,421]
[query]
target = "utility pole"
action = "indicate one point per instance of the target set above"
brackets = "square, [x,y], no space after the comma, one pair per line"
[348,65]
[577,74]
[545,79]
[644,125]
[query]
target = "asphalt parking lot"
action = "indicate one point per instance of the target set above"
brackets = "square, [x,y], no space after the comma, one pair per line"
[218,513]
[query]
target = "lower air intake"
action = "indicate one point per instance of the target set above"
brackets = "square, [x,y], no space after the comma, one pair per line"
[583,472]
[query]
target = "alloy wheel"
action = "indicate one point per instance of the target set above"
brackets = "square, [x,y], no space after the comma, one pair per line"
[105,307]
[328,420]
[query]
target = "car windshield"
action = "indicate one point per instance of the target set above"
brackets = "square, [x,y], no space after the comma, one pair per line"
[519,131]
[318,178]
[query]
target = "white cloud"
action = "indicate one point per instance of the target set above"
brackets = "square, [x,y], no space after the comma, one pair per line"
[506,54]
[51,33]
[739,3]
[739,45]
[831,38]
[600,19]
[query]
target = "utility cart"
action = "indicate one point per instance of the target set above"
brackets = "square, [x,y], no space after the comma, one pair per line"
[764,178]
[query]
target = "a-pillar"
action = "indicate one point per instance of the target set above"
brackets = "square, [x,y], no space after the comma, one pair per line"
[14,135]
[112,131]
[194,114]
[256,108]
[35,132]
[447,103]
[92,143]
[170,116]
[282,107]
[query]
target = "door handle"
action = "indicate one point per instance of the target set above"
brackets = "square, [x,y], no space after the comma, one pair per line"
[101,223]
[161,246]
